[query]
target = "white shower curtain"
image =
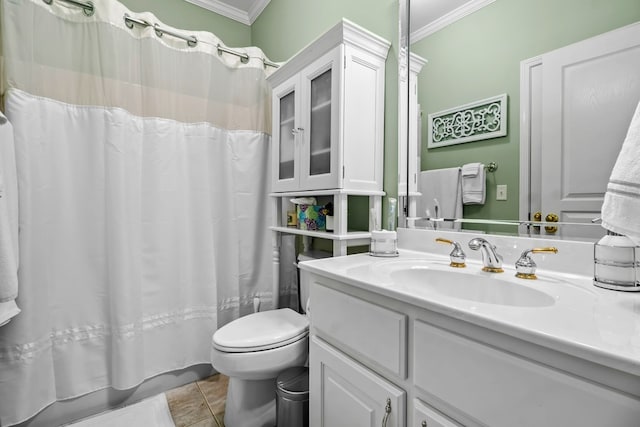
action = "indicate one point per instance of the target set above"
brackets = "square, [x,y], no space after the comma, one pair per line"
[142,171]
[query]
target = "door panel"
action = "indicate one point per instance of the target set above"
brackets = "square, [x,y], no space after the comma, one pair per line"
[321,83]
[589,92]
[345,393]
[285,140]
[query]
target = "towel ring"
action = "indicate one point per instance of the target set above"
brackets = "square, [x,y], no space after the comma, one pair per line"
[492,167]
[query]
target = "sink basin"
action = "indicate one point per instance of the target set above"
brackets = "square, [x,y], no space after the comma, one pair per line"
[494,289]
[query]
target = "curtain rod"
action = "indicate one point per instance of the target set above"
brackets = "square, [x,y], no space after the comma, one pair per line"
[192,41]
[87,7]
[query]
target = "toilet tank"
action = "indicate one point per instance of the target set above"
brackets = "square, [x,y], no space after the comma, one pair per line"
[304,287]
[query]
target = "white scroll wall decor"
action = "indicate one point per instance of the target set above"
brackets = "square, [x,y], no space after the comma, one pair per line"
[475,121]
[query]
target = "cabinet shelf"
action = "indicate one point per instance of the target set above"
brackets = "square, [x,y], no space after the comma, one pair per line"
[351,235]
[328,192]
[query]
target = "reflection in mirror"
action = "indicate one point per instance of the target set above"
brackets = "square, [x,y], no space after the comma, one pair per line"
[569,72]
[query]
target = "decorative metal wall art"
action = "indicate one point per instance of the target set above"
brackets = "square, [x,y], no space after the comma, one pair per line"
[475,121]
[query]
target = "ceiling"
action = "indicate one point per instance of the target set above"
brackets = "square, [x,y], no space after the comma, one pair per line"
[427,16]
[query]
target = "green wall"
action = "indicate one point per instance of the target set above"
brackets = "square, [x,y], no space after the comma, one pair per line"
[479,56]
[181,14]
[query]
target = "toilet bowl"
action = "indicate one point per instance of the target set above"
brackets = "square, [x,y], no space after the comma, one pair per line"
[252,351]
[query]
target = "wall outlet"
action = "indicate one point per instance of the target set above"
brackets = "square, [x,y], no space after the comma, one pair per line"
[501,192]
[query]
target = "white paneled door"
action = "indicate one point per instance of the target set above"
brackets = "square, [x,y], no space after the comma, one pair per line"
[579,117]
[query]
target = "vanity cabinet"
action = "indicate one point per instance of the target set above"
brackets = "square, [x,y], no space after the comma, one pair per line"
[349,393]
[449,372]
[328,113]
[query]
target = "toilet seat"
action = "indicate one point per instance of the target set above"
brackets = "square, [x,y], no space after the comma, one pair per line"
[261,331]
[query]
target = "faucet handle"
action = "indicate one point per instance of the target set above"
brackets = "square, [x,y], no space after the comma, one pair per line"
[526,267]
[457,255]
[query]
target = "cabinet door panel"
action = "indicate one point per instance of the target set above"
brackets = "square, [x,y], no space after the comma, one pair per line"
[343,393]
[321,82]
[286,136]
[373,332]
[499,389]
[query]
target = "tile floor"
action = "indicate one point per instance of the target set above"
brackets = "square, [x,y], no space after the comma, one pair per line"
[199,404]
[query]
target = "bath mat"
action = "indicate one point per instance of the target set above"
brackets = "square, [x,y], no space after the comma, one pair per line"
[150,412]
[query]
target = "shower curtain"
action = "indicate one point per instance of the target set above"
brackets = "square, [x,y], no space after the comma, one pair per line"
[142,171]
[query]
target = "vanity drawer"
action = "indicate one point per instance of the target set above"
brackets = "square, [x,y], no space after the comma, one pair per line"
[424,416]
[369,331]
[499,389]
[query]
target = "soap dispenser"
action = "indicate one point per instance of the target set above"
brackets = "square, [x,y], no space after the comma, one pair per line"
[615,263]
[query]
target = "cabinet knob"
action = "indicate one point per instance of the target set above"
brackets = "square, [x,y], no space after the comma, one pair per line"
[387,412]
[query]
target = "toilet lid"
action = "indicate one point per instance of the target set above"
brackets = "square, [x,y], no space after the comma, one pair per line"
[261,331]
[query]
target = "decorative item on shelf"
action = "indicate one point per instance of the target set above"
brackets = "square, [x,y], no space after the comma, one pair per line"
[328,212]
[616,263]
[311,217]
[292,219]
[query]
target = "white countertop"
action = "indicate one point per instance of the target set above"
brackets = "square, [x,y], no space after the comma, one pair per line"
[591,323]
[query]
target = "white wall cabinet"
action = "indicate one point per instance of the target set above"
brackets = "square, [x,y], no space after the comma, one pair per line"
[328,129]
[328,113]
[449,372]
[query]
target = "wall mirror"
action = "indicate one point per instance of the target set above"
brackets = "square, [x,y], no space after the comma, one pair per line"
[569,73]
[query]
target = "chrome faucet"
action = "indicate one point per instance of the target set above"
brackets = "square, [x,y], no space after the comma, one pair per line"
[490,259]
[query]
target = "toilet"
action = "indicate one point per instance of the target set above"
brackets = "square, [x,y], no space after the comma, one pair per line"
[252,351]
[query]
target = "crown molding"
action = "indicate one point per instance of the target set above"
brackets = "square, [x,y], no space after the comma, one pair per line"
[223,9]
[256,9]
[448,19]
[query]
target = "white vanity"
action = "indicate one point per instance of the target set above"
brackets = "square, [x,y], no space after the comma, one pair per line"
[412,341]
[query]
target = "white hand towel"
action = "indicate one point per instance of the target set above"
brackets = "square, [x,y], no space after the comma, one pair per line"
[8,215]
[473,184]
[443,185]
[621,208]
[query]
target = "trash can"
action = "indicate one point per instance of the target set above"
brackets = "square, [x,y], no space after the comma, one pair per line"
[292,401]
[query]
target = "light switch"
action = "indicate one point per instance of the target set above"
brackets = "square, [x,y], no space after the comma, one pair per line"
[501,192]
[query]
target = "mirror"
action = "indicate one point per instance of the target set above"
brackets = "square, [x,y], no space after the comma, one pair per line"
[476,50]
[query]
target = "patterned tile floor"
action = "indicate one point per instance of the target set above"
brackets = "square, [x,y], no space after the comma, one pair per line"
[199,404]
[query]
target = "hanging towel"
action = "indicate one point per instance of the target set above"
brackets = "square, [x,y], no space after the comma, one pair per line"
[621,208]
[442,187]
[473,184]
[8,223]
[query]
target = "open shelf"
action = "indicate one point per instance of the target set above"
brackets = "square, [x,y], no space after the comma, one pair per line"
[327,192]
[351,235]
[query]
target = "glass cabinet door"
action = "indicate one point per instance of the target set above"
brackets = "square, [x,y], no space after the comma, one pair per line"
[320,125]
[287,136]
[320,84]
